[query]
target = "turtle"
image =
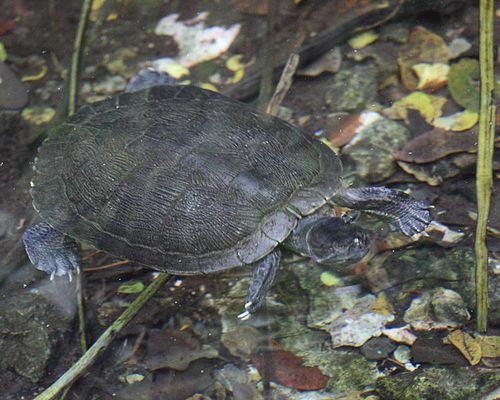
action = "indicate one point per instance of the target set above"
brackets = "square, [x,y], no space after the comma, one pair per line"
[188,181]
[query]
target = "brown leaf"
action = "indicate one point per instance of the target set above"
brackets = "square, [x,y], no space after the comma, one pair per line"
[468,346]
[252,7]
[434,351]
[436,144]
[286,369]
[423,46]
[6,25]
[490,346]
[343,128]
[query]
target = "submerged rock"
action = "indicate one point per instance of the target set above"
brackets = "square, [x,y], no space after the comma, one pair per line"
[377,348]
[439,383]
[33,323]
[439,309]
[354,87]
[374,147]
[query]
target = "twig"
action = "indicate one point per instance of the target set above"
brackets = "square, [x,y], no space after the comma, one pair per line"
[284,84]
[75,57]
[81,310]
[484,171]
[266,82]
[104,340]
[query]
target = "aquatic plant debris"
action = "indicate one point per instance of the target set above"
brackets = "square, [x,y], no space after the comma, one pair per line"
[196,42]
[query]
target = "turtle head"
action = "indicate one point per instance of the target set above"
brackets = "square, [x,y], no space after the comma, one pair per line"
[335,242]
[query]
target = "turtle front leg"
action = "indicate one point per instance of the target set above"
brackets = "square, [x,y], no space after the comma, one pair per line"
[51,251]
[408,215]
[262,280]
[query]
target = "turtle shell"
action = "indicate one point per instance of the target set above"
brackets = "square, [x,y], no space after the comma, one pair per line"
[181,179]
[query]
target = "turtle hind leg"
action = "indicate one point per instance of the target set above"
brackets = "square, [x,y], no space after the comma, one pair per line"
[51,251]
[408,215]
[262,280]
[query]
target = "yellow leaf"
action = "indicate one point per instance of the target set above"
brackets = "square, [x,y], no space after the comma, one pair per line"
[427,105]
[490,346]
[329,279]
[234,63]
[467,345]
[39,75]
[362,40]
[238,76]
[460,121]
[208,86]
[431,76]
[382,306]
[176,70]
[37,115]
[423,46]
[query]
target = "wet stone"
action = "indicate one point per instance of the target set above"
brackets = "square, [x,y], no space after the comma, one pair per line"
[438,309]
[325,303]
[33,324]
[374,147]
[13,94]
[377,348]
[438,383]
[354,87]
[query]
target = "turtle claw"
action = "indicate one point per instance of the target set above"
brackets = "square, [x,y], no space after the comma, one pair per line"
[414,219]
[51,251]
[245,314]
[262,279]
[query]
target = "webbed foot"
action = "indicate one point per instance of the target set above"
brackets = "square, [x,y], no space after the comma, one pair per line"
[408,215]
[51,251]
[262,279]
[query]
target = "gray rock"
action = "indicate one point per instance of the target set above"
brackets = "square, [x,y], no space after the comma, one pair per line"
[13,94]
[438,309]
[377,348]
[33,323]
[354,87]
[374,147]
[439,383]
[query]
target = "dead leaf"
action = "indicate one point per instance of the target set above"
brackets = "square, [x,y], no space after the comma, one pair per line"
[6,25]
[434,351]
[437,144]
[463,83]
[490,346]
[460,121]
[328,62]
[400,335]
[431,76]
[341,128]
[468,346]
[252,7]
[429,106]
[286,369]
[423,46]
[442,235]
[457,47]
[362,40]
[358,324]
[382,305]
